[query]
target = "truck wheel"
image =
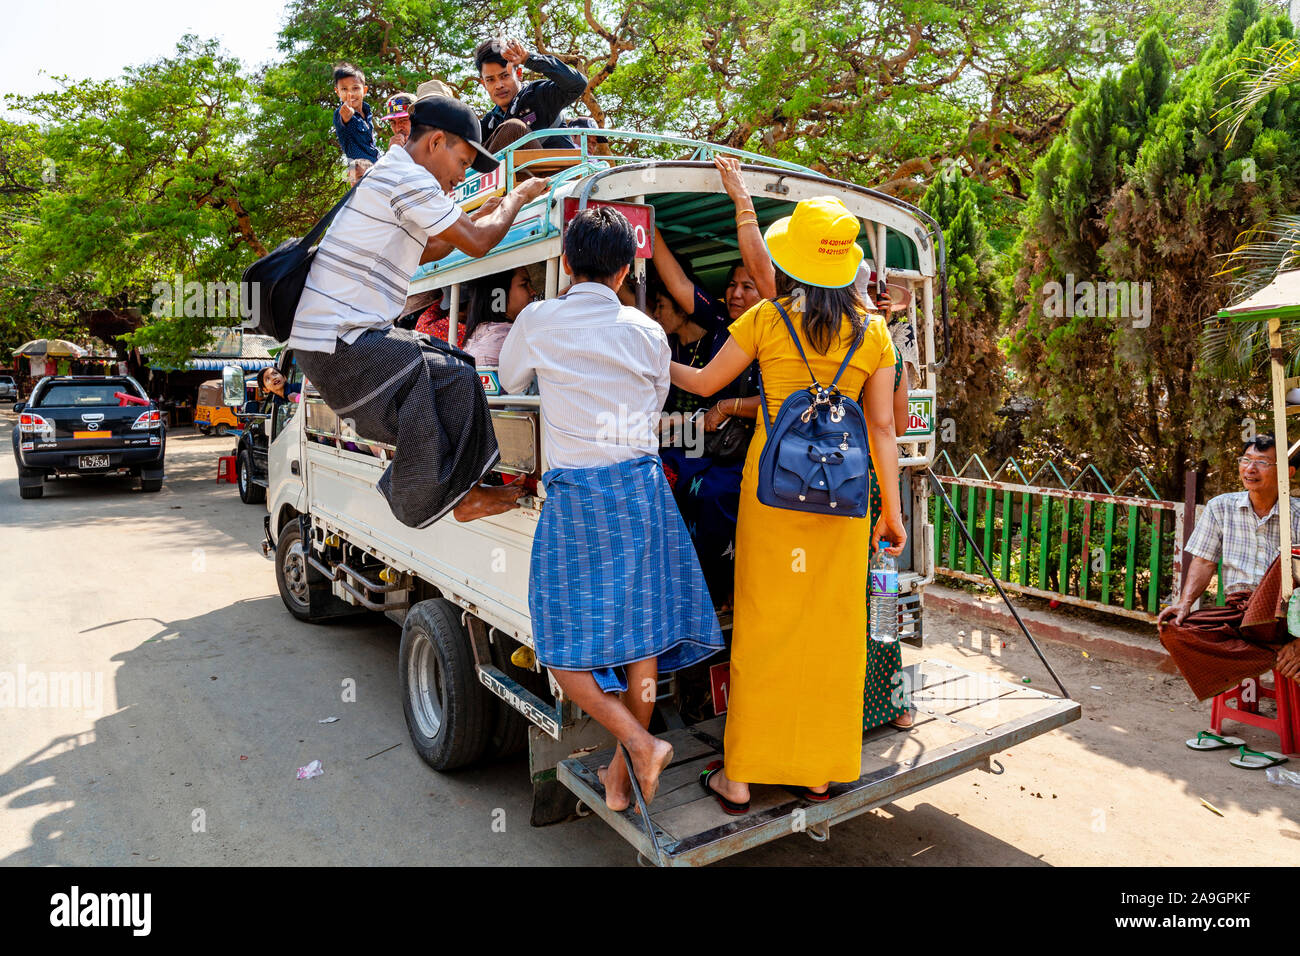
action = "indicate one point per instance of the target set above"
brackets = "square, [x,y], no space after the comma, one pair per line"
[204,428]
[509,736]
[448,712]
[151,484]
[295,576]
[222,429]
[304,590]
[250,492]
[34,491]
[509,731]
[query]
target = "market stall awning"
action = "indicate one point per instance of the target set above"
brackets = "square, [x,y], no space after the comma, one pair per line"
[50,349]
[1280,298]
[217,364]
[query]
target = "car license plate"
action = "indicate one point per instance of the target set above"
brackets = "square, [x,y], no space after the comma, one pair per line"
[92,461]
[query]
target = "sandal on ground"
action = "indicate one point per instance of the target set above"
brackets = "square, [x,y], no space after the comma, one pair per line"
[807,794]
[728,806]
[908,726]
[1248,759]
[1208,741]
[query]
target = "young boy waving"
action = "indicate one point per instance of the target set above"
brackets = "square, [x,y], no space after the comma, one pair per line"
[615,592]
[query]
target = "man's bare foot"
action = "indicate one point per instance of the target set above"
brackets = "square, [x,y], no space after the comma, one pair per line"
[483,501]
[618,795]
[649,762]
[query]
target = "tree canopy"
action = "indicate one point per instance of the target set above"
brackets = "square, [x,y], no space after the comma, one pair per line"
[1054,140]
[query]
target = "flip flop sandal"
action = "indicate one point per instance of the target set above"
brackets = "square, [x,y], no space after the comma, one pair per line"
[1256,759]
[734,809]
[810,795]
[1208,741]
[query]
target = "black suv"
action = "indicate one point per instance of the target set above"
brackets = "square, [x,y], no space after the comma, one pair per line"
[88,425]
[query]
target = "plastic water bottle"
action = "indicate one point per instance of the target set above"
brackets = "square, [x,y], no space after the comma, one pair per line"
[884,596]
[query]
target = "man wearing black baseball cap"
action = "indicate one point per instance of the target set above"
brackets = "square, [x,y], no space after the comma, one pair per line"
[393,385]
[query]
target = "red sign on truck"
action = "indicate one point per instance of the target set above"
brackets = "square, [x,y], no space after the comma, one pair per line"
[640,215]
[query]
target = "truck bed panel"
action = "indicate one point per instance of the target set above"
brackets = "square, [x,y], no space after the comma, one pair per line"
[963,719]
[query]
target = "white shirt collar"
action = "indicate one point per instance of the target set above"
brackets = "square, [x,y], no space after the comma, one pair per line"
[598,288]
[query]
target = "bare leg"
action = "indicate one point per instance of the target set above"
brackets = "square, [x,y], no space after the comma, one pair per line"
[640,701]
[650,755]
[483,501]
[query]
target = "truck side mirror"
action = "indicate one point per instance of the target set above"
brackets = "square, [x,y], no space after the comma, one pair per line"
[232,386]
[19,406]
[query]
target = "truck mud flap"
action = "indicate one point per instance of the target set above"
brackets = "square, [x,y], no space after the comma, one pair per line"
[962,720]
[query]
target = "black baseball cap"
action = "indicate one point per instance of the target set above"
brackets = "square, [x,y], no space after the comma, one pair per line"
[452,116]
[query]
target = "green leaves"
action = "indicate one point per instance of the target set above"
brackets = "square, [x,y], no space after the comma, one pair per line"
[1146,189]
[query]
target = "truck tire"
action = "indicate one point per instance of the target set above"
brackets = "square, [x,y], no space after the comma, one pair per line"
[448,712]
[151,484]
[294,575]
[204,428]
[509,736]
[250,492]
[34,491]
[306,592]
[222,429]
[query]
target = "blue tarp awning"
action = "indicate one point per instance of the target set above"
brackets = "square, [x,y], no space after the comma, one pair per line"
[217,364]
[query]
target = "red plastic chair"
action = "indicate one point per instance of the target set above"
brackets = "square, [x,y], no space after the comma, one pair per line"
[1287,722]
[226,469]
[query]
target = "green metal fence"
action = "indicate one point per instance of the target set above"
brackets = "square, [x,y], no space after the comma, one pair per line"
[1054,538]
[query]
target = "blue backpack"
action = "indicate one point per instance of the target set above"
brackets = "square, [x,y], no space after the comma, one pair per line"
[816,454]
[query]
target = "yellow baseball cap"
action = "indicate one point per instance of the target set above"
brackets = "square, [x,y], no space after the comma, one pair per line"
[818,244]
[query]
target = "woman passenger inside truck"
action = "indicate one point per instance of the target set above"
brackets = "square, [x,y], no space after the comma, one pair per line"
[706,480]
[495,301]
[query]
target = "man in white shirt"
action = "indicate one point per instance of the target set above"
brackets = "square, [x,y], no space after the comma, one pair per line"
[615,589]
[390,384]
[1216,648]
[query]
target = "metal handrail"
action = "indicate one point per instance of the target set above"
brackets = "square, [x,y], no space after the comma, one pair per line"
[935,232]
[701,147]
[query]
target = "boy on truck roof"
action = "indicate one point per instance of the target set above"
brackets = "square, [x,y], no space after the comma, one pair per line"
[390,384]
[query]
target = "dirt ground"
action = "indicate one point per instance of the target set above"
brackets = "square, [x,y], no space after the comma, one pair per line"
[1117,787]
[212,697]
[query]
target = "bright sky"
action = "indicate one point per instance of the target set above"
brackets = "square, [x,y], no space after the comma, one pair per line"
[97,38]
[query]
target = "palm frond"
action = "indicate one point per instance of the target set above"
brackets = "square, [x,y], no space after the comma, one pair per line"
[1274,68]
[1264,251]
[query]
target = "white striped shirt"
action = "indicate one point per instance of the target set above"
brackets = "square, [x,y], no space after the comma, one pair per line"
[602,371]
[363,266]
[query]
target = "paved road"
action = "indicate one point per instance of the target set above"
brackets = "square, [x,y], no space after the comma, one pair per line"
[212,693]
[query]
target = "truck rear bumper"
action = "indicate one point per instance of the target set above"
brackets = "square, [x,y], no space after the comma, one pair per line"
[962,720]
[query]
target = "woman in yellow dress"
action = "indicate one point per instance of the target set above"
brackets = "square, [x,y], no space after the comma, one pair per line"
[798,656]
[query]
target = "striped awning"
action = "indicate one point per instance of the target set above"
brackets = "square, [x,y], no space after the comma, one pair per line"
[217,364]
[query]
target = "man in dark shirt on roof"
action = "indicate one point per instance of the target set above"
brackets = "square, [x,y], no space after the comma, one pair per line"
[522,107]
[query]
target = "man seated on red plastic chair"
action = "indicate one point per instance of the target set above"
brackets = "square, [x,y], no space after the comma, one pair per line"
[1218,647]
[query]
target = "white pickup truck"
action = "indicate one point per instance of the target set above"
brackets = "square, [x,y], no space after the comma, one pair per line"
[470,686]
